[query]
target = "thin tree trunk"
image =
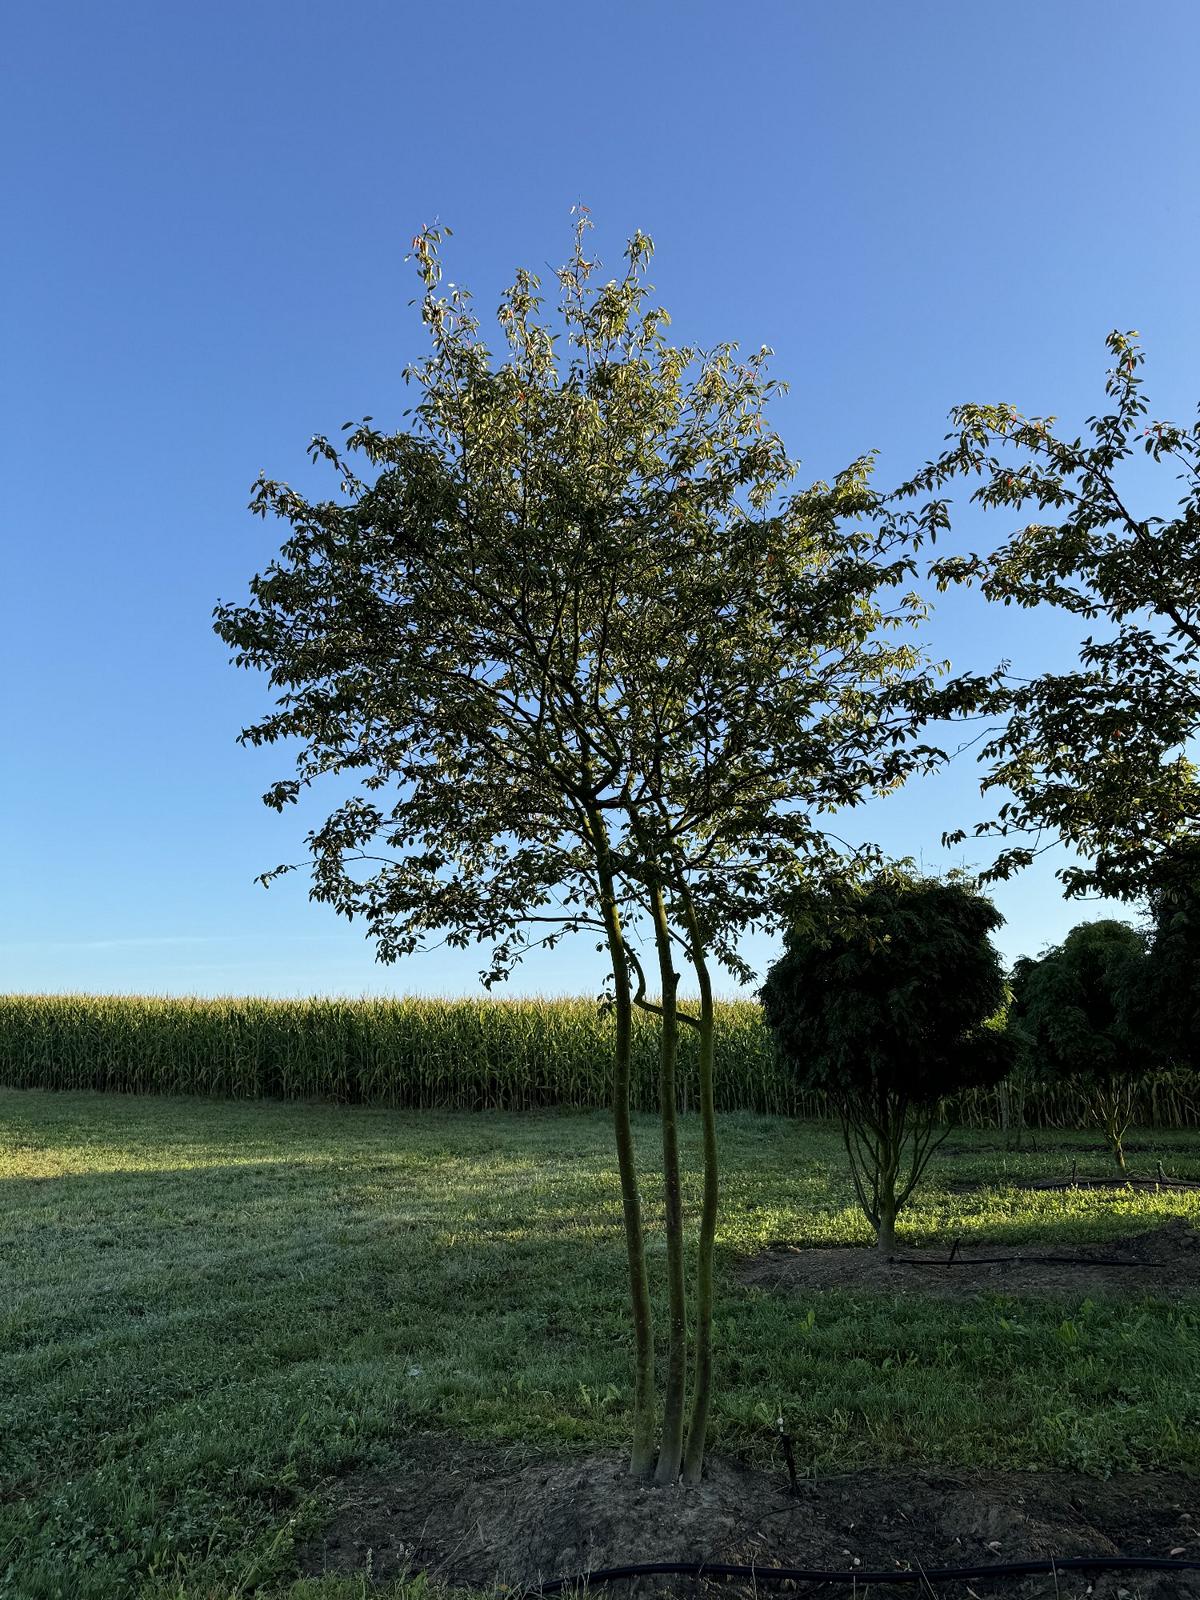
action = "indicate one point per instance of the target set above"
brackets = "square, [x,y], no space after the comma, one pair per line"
[1115,1139]
[891,1141]
[1114,1125]
[641,1461]
[671,1451]
[693,1458]
[886,1233]
[1019,1091]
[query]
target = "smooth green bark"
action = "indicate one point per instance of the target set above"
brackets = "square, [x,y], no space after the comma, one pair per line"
[671,1451]
[693,1458]
[641,1459]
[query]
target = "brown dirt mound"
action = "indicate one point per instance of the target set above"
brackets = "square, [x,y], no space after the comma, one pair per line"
[481,1516]
[1164,1260]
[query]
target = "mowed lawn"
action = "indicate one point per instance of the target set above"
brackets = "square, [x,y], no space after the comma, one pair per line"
[208,1310]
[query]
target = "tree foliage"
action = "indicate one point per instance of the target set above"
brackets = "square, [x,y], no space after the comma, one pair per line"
[593,656]
[1173,960]
[884,999]
[1098,755]
[1080,1011]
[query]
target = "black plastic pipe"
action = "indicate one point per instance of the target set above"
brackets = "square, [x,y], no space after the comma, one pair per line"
[1131,1182]
[857,1575]
[1028,1261]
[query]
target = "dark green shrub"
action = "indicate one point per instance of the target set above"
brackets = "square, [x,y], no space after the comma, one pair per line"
[886,1000]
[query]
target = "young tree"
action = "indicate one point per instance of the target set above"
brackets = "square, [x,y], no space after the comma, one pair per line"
[1097,756]
[592,657]
[1079,1014]
[883,1000]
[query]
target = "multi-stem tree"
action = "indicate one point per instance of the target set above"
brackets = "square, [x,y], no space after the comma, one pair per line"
[1099,755]
[591,655]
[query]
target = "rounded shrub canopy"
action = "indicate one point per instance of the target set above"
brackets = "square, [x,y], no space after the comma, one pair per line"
[892,988]
[1081,1008]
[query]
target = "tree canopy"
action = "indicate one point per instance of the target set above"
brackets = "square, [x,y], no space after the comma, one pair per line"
[1080,1012]
[1173,960]
[1098,755]
[592,655]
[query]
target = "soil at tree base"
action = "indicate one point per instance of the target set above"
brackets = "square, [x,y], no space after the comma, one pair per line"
[1164,1260]
[478,1516]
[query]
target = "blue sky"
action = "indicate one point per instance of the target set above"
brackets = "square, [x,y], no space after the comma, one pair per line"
[207,209]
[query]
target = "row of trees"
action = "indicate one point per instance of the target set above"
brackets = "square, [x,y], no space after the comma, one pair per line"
[1114,1004]
[598,659]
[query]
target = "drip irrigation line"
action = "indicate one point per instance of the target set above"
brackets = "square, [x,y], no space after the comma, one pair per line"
[1028,1261]
[1169,1184]
[1111,1180]
[857,1575]
[993,1569]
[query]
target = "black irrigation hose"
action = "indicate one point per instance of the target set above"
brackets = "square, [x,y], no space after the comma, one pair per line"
[1169,1184]
[1029,1261]
[993,1569]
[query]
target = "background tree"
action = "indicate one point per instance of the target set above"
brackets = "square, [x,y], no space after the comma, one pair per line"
[592,656]
[1173,961]
[884,1000]
[1097,756]
[1012,1092]
[1079,1013]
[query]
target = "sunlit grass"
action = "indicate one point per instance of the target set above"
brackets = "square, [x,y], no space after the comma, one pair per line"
[206,1309]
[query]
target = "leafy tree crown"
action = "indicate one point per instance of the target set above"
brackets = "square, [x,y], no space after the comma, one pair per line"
[577,610]
[1173,963]
[886,990]
[1101,754]
[1079,1011]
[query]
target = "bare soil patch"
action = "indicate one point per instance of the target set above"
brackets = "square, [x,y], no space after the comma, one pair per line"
[479,1516]
[1163,1260]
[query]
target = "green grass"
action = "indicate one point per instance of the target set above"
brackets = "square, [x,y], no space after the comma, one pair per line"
[208,1309]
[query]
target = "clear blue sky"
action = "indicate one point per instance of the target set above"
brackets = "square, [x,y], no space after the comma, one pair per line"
[206,210]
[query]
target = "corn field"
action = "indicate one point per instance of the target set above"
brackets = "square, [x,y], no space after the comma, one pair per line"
[503,1055]
[510,1055]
